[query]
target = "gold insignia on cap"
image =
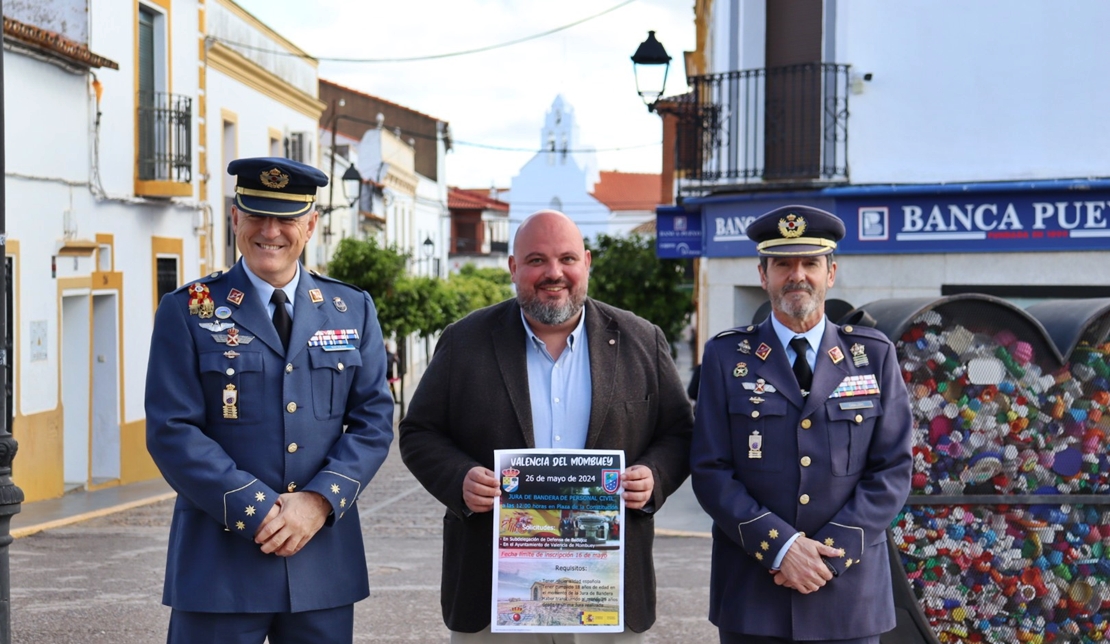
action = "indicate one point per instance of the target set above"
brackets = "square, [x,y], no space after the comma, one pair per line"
[792,226]
[274,178]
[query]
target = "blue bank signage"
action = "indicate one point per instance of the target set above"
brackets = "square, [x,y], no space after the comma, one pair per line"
[972,222]
[677,233]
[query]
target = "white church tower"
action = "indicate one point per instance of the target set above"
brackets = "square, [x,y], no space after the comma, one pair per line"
[561,176]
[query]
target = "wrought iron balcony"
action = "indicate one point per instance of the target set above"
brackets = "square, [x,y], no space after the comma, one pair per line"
[165,137]
[761,126]
[470,246]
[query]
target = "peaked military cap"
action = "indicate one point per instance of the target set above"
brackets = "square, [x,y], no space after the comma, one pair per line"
[275,187]
[796,231]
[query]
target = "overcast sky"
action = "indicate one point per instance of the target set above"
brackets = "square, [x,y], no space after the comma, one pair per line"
[499,97]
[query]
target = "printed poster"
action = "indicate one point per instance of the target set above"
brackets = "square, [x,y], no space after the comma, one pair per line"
[558,556]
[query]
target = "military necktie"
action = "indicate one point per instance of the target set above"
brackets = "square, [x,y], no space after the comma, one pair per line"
[801,366]
[282,322]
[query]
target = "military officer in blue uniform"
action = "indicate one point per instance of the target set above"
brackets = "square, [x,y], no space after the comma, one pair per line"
[801,454]
[268,412]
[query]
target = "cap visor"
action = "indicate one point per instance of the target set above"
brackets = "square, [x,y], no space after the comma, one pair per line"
[796,250]
[263,207]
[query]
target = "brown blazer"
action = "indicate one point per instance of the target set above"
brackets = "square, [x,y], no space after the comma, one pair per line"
[474,399]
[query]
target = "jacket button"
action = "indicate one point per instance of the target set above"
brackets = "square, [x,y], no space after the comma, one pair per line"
[755,414]
[292,447]
[289,368]
[805,461]
[859,418]
[291,407]
[230,371]
[806,423]
[804,499]
[292,487]
[339,366]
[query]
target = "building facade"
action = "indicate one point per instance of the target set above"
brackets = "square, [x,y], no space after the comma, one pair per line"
[564,176]
[479,229]
[126,113]
[947,136]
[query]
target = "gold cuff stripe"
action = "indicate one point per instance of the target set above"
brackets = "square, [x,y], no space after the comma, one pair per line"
[266,194]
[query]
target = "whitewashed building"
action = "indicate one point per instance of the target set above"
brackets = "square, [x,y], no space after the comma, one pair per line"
[963,144]
[564,176]
[121,117]
[400,155]
[559,177]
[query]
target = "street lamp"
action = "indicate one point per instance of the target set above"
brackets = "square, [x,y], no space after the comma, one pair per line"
[650,65]
[352,183]
[429,247]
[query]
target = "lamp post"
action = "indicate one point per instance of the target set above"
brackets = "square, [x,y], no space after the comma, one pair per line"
[650,65]
[11,497]
[429,247]
[352,183]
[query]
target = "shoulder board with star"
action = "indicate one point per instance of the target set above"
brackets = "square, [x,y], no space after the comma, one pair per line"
[738,330]
[864,331]
[211,277]
[324,278]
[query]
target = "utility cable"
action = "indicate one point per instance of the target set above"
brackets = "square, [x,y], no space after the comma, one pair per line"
[409,59]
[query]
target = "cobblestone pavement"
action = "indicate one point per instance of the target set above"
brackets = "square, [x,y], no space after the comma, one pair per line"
[100,582]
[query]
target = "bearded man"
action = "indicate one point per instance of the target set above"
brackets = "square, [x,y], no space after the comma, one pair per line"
[551,368]
[801,454]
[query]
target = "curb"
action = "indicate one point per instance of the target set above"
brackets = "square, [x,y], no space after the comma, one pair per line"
[667,532]
[85,516]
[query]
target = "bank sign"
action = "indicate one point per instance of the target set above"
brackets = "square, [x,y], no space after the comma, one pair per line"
[677,233]
[942,223]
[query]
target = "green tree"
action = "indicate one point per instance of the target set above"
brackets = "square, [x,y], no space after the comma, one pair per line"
[481,287]
[381,273]
[414,305]
[627,274]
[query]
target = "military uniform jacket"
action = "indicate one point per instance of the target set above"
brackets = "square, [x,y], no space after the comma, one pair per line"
[767,462]
[233,420]
[474,398]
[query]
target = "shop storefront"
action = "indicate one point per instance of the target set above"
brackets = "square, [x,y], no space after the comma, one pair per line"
[1023,241]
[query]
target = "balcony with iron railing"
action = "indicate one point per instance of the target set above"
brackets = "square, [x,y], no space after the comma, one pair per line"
[760,128]
[165,145]
[471,246]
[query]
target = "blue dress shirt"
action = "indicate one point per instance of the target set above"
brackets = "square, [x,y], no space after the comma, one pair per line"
[559,389]
[266,290]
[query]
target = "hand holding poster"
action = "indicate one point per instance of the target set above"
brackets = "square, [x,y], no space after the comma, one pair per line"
[558,560]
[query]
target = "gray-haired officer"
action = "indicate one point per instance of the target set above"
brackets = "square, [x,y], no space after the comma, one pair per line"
[268,411]
[801,454]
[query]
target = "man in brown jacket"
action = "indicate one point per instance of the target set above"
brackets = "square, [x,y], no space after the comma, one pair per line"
[514,375]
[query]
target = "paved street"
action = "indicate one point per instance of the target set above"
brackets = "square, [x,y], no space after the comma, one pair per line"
[100,581]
